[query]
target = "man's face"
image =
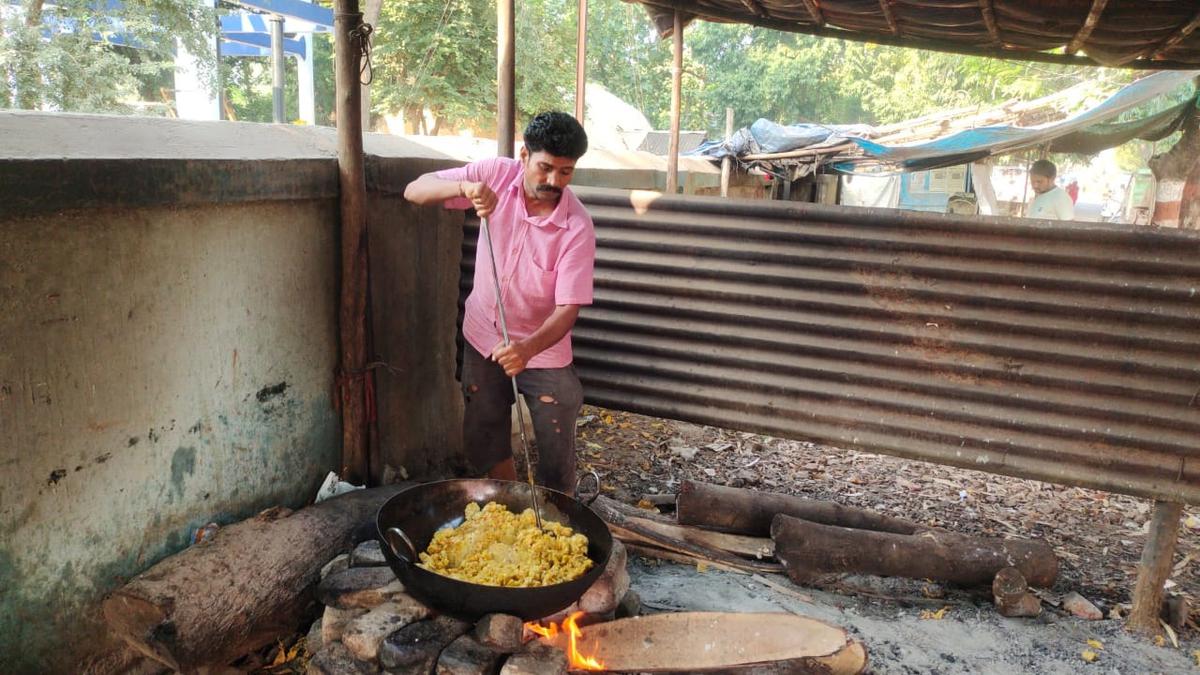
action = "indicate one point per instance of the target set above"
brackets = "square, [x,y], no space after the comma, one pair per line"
[1040,184]
[546,175]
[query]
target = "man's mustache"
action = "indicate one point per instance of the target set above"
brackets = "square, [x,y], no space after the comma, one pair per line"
[546,187]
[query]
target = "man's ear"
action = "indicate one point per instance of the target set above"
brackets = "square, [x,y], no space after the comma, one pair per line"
[524,154]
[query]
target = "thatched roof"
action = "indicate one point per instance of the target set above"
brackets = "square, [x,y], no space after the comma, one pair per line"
[1131,33]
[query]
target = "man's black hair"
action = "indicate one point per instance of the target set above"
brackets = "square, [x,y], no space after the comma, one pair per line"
[1044,167]
[557,133]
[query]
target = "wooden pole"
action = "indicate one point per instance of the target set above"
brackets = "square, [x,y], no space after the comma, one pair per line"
[353,302]
[676,102]
[506,120]
[581,62]
[1155,567]
[726,161]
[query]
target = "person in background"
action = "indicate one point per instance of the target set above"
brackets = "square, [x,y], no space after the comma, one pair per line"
[545,248]
[1073,191]
[1051,202]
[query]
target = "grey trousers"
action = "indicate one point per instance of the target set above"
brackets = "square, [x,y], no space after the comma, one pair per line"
[554,397]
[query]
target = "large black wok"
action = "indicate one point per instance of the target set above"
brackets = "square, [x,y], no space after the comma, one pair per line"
[416,513]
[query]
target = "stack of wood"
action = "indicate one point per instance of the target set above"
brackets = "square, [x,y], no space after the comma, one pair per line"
[761,532]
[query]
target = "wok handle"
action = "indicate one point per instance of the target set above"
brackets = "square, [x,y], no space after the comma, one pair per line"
[392,534]
[579,483]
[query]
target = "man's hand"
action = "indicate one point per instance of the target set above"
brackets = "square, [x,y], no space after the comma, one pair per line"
[481,196]
[512,358]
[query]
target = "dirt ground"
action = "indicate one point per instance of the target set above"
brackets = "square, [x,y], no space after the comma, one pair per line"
[1097,536]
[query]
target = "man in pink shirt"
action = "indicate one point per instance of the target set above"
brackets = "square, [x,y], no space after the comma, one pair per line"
[545,250]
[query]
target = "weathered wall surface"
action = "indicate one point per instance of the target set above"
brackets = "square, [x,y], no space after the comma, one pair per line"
[414,254]
[168,339]
[162,368]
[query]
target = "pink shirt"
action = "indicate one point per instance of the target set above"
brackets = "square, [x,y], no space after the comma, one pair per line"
[542,261]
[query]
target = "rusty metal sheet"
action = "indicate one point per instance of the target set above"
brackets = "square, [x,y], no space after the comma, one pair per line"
[1064,352]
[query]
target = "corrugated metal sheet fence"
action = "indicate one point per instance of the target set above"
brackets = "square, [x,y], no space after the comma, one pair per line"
[1061,352]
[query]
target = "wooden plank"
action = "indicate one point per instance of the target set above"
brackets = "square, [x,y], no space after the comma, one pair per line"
[989,20]
[885,6]
[748,547]
[701,642]
[1089,25]
[1178,36]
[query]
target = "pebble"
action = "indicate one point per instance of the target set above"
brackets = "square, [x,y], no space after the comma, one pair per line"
[1081,607]
[539,660]
[364,587]
[338,564]
[336,659]
[368,554]
[466,656]
[363,635]
[500,632]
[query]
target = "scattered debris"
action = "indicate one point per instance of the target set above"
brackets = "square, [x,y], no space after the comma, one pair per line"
[935,616]
[1097,536]
[334,486]
[1081,607]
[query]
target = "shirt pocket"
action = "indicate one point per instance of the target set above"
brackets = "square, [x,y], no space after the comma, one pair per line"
[537,284]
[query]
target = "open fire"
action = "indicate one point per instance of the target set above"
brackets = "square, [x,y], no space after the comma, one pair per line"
[570,628]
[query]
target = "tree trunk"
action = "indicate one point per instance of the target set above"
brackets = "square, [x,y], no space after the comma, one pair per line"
[219,600]
[1171,172]
[807,549]
[751,512]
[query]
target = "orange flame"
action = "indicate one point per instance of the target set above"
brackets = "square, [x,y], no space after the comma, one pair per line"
[578,661]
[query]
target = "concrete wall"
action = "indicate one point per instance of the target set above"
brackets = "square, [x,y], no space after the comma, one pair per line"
[168,338]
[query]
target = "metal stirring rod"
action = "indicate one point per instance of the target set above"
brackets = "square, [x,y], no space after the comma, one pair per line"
[487,237]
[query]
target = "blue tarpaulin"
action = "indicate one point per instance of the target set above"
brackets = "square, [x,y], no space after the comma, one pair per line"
[765,136]
[984,141]
[1085,133]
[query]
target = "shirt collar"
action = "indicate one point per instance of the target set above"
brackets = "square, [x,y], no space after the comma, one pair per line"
[559,217]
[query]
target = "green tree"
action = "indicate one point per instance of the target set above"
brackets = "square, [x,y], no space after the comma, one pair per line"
[70,69]
[436,54]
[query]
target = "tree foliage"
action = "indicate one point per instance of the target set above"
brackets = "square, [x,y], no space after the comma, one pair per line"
[76,63]
[436,54]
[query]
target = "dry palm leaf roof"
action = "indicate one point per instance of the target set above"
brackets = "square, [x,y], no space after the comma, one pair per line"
[1131,33]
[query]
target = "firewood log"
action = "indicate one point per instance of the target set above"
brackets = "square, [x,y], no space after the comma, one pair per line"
[806,548]
[750,512]
[253,582]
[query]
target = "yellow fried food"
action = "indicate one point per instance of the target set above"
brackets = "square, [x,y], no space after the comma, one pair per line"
[496,547]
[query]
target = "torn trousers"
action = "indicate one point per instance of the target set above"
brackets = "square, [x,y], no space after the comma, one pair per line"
[554,397]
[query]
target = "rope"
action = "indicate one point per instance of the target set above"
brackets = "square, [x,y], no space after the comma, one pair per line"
[360,41]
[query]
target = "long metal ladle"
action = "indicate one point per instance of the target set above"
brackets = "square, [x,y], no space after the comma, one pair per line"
[487,237]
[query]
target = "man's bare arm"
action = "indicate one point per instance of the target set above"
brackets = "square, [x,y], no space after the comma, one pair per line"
[515,357]
[429,189]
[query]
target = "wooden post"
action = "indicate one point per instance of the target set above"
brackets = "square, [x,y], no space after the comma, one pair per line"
[726,161]
[676,99]
[581,62]
[1155,567]
[506,119]
[353,302]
